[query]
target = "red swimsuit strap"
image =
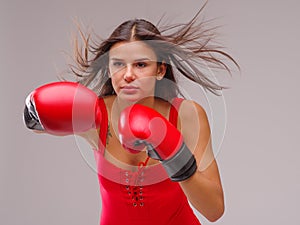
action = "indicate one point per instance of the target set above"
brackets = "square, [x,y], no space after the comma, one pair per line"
[103,126]
[173,117]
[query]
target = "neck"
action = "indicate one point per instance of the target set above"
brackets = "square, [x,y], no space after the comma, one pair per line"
[119,105]
[122,104]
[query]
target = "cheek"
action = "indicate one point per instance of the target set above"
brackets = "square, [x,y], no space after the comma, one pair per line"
[148,83]
[115,81]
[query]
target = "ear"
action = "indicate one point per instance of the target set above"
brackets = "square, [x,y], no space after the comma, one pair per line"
[161,70]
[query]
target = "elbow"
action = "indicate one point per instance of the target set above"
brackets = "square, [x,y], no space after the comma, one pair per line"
[217,213]
[216,216]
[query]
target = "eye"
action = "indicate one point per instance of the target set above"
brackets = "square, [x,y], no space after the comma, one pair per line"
[118,64]
[141,64]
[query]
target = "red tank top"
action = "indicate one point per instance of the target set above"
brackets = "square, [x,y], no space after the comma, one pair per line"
[143,195]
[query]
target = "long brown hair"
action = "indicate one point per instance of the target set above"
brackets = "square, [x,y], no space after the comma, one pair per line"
[180,46]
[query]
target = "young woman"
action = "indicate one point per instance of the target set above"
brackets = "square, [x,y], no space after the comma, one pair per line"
[153,150]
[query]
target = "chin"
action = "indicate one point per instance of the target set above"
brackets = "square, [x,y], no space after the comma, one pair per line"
[130,98]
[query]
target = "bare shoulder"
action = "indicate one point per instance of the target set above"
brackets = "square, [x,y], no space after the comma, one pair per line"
[191,110]
[196,131]
[194,122]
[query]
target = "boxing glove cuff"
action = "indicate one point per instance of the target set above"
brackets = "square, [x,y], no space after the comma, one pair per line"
[31,117]
[182,165]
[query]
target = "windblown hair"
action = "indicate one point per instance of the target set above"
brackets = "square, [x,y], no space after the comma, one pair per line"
[181,47]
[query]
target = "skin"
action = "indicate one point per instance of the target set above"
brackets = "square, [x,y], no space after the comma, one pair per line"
[134,71]
[203,189]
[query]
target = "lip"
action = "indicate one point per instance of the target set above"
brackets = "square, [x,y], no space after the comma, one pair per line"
[129,89]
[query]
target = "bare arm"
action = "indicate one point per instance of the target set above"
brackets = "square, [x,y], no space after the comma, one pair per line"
[203,189]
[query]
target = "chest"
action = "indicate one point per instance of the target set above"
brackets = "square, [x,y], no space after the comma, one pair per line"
[119,156]
[114,151]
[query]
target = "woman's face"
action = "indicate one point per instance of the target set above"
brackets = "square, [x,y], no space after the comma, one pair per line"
[133,69]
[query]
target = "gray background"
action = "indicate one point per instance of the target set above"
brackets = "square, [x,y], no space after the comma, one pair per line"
[45,180]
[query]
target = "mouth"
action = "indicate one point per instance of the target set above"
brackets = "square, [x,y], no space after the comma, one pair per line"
[129,89]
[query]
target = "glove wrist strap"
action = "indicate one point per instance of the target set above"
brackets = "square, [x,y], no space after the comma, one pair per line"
[182,165]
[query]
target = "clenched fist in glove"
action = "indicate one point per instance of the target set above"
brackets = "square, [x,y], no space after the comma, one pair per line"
[141,126]
[62,108]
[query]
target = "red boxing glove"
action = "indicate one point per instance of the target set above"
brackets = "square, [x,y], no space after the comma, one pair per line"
[141,126]
[62,108]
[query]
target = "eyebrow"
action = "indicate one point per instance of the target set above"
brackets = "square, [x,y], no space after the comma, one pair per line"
[136,60]
[117,59]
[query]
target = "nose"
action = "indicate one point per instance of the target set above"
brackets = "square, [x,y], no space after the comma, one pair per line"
[129,75]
